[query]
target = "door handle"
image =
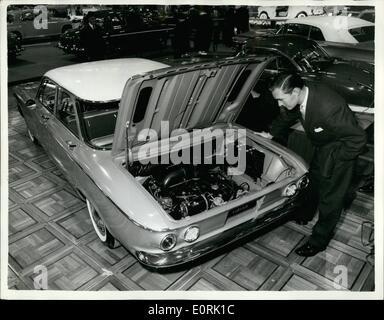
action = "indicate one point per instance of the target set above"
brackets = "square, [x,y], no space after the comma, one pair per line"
[70,144]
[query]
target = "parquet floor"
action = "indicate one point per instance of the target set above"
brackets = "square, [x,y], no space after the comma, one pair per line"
[49,226]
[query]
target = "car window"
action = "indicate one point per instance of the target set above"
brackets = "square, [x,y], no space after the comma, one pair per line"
[362,34]
[28,16]
[142,104]
[98,121]
[316,34]
[298,29]
[47,94]
[66,113]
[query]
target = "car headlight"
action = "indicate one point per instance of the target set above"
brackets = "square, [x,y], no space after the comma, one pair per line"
[303,182]
[290,190]
[168,242]
[191,234]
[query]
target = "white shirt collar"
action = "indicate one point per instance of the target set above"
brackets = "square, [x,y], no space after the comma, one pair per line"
[303,106]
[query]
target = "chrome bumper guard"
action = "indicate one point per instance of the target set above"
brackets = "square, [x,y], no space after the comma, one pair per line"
[200,249]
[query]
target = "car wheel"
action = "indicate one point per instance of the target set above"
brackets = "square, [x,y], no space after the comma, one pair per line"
[263,15]
[301,15]
[101,229]
[32,137]
[65,28]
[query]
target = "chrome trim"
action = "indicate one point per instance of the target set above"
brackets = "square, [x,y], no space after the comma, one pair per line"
[202,248]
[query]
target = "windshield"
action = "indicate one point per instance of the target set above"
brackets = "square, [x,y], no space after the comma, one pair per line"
[98,121]
[363,34]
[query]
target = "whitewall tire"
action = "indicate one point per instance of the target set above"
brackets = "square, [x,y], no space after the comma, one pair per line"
[100,228]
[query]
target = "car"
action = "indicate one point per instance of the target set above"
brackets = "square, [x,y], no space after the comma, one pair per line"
[14,46]
[21,23]
[361,51]
[288,12]
[330,28]
[354,80]
[120,29]
[157,156]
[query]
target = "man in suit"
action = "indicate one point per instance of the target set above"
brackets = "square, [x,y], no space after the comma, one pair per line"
[91,37]
[337,139]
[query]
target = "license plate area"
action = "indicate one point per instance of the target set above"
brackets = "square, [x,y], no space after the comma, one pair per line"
[237,210]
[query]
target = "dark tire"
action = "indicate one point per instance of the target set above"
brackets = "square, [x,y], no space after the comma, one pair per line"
[65,28]
[263,15]
[100,228]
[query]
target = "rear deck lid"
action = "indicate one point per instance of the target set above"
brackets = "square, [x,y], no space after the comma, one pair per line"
[187,97]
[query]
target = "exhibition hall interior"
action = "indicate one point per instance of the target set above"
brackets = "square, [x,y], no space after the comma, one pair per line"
[143,151]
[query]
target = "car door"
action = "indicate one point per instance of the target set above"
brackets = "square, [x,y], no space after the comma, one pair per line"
[28,26]
[64,134]
[54,25]
[43,113]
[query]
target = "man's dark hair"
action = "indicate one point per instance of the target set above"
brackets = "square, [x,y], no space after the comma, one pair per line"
[287,82]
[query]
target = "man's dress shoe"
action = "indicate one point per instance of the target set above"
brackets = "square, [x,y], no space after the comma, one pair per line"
[308,250]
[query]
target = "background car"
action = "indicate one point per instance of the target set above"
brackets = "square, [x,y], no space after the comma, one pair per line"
[122,30]
[288,12]
[330,28]
[354,80]
[21,23]
[91,117]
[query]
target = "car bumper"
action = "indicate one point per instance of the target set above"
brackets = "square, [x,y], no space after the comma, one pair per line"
[200,249]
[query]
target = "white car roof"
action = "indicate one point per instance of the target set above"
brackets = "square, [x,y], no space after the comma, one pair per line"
[334,28]
[101,80]
[332,22]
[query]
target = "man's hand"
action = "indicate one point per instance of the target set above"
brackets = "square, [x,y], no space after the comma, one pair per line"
[264,134]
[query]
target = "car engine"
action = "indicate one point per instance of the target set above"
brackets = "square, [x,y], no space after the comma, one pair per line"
[185,191]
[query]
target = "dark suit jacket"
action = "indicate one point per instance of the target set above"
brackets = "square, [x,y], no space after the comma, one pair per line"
[92,39]
[329,124]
